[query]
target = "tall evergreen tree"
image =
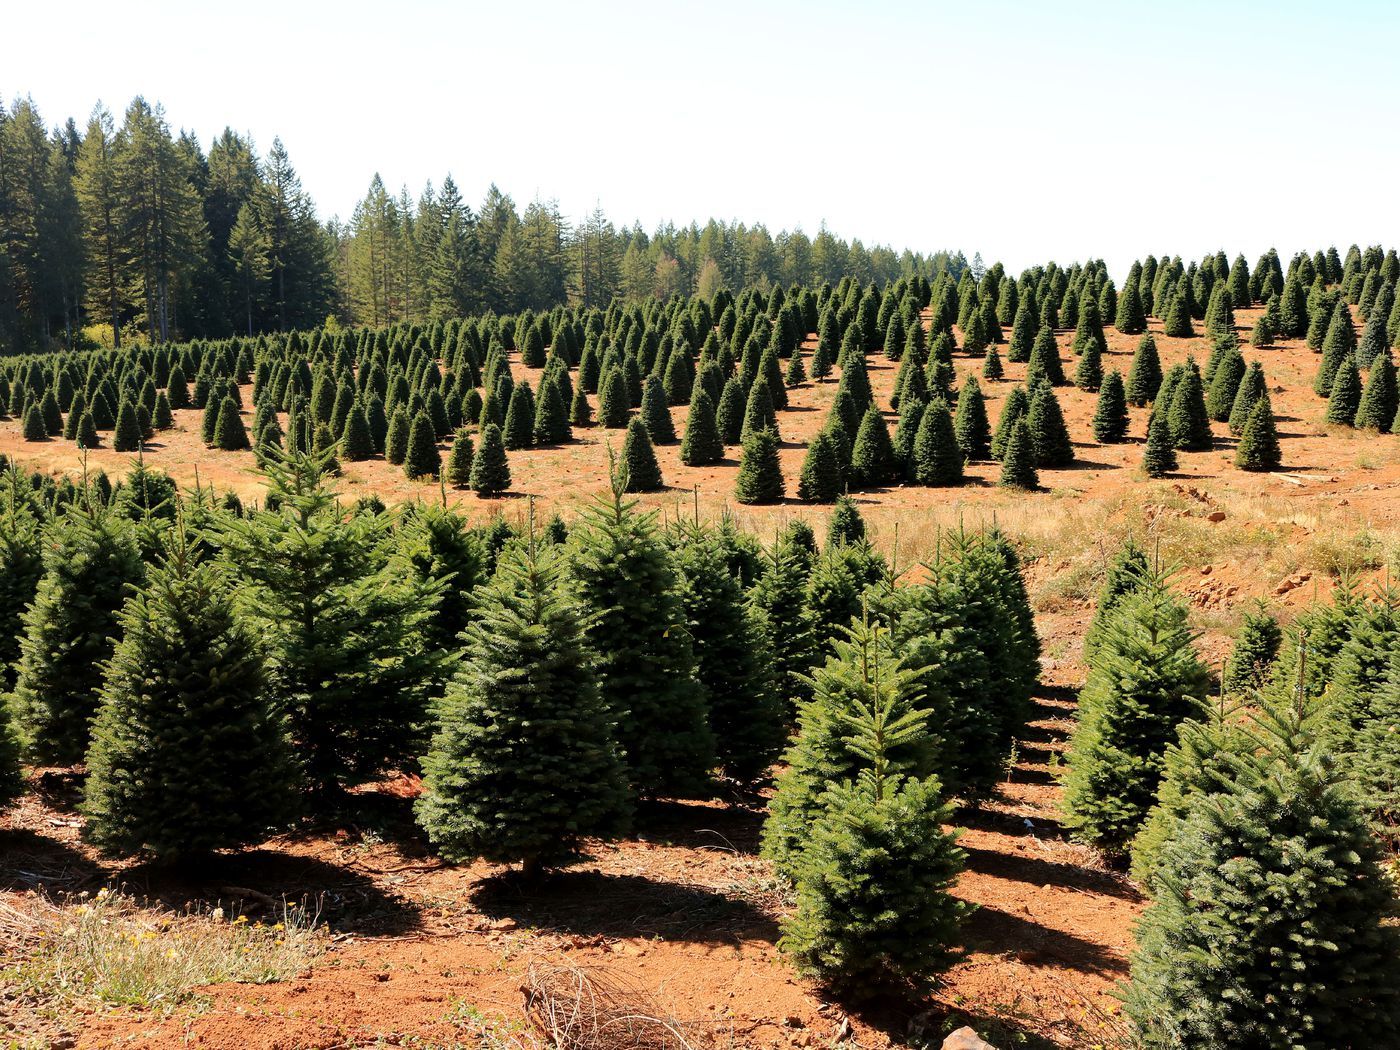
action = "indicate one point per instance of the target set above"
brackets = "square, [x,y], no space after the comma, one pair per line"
[1145,375]
[1258,448]
[1111,413]
[490,468]
[422,459]
[1018,460]
[760,478]
[642,472]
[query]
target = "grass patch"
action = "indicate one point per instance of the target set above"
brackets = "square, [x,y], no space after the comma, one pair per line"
[112,950]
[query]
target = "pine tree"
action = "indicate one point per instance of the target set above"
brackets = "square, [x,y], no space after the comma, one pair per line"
[1144,680]
[396,441]
[873,460]
[1186,415]
[1258,448]
[1013,409]
[729,415]
[551,426]
[733,656]
[341,623]
[1145,376]
[422,459]
[1269,886]
[490,469]
[1381,401]
[90,562]
[519,429]
[846,526]
[1345,396]
[1251,388]
[760,478]
[614,405]
[1050,441]
[1224,385]
[1111,413]
[1130,319]
[1176,322]
[356,441]
[973,431]
[1018,460]
[641,471]
[702,445]
[656,414]
[991,365]
[1256,648]
[937,459]
[646,664]
[823,473]
[1088,374]
[126,437]
[86,435]
[1125,574]
[1159,454]
[759,413]
[459,461]
[523,762]
[1045,360]
[188,753]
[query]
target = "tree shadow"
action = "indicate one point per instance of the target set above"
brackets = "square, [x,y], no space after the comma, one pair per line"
[1080,463]
[1002,933]
[984,818]
[1040,871]
[592,903]
[731,828]
[58,788]
[30,861]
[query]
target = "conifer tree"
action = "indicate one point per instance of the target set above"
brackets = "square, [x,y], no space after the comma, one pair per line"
[845,526]
[1088,374]
[523,762]
[640,469]
[1381,400]
[519,429]
[396,441]
[1145,375]
[422,459]
[1144,680]
[1130,319]
[1224,385]
[1050,441]
[873,460]
[702,444]
[646,663]
[1251,388]
[1186,415]
[1125,574]
[760,478]
[580,414]
[551,425]
[230,435]
[1345,395]
[1045,360]
[655,412]
[1159,454]
[823,473]
[1269,886]
[973,431]
[90,563]
[733,656]
[1256,648]
[1176,322]
[991,365]
[85,436]
[937,459]
[126,437]
[729,415]
[356,441]
[188,752]
[459,461]
[490,469]
[1258,447]
[1111,413]
[759,413]
[1018,459]
[614,404]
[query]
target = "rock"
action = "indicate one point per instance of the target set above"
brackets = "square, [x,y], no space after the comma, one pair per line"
[966,1039]
[1206,570]
[1216,515]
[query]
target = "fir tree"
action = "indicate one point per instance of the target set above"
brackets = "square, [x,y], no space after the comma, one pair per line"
[519,429]
[1126,573]
[1013,409]
[1278,848]
[126,437]
[1258,448]
[1050,441]
[1144,680]
[873,460]
[188,753]
[1186,414]
[1252,387]
[459,461]
[641,471]
[523,762]
[646,664]
[1088,374]
[760,478]
[1111,413]
[396,441]
[937,459]
[1224,385]
[1045,360]
[1159,454]
[729,416]
[1345,396]
[702,445]
[991,365]
[422,459]
[614,405]
[823,473]
[846,526]
[656,414]
[1145,376]
[551,426]
[1018,460]
[490,469]
[1256,648]
[90,563]
[759,413]
[1380,402]
[971,426]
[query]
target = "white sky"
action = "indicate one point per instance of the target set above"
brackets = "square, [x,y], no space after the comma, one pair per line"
[1025,129]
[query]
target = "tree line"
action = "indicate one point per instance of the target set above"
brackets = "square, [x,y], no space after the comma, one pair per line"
[135,231]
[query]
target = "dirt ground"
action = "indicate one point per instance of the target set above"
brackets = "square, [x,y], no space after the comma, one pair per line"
[686,911]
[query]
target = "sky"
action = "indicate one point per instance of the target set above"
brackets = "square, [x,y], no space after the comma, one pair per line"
[1021,129]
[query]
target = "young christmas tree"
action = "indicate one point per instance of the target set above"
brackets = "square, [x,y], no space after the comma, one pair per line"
[873,461]
[991,365]
[1145,375]
[646,662]
[733,656]
[523,762]
[1144,679]
[729,416]
[1186,414]
[1050,441]
[1088,374]
[1018,461]
[1045,360]
[1381,401]
[1111,414]
[422,459]
[970,424]
[760,478]
[1014,409]
[640,469]
[341,622]
[846,526]
[1128,570]
[823,475]
[459,461]
[701,445]
[188,754]
[1224,385]
[1252,387]
[396,441]
[356,440]
[1345,396]
[126,437]
[1256,648]
[1270,887]
[490,469]
[656,414]
[90,563]
[759,413]
[937,459]
[1258,448]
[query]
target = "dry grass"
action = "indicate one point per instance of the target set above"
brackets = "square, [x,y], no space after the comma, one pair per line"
[589,1008]
[110,949]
